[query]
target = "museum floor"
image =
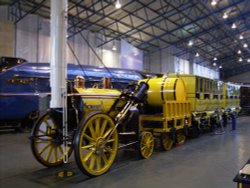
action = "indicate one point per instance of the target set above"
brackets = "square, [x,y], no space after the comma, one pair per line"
[210,161]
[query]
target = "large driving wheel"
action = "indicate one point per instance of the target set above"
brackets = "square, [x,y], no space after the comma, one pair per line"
[46,142]
[166,141]
[146,144]
[95,148]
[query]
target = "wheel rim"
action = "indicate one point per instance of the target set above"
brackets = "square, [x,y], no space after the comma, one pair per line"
[47,145]
[146,144]
[96,158]
[181,138]
[166,142]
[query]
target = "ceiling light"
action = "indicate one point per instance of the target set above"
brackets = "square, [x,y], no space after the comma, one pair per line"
[239,51]
[248,60]
[241,37]
[245,45]
[114,48]
[240,59]
[214,2]
[118,4]
[220,67]
[225,16]
[197,54]
[190,43]
[215,59]
[214,64]
[233,26]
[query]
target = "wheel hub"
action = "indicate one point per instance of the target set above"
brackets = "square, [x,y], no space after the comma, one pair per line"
[99,145]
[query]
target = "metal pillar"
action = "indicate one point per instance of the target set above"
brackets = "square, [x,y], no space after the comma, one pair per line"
[58,52]
[58,65]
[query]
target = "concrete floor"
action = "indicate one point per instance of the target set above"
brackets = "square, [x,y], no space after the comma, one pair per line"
[210,161]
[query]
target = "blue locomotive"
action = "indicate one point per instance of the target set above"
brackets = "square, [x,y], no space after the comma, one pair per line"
[23,85]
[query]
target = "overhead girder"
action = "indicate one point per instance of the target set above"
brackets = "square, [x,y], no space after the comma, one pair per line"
[229,72]
[157,24]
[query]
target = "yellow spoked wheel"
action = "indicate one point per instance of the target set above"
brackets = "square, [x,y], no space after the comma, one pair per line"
[180,138]
[46,142]
[95,149]
[166,141]
[146,144]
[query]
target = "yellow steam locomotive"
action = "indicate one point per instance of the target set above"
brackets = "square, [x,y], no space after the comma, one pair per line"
[100,120]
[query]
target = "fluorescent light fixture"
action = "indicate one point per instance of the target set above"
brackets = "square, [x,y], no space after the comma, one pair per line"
[239,51]
[220,67]
[197,54]
[190,43]
[233,26]
[215,58]
[214,64]
[225,16]
[240,59]
[118,4]
[214,2]
[245,45]
[241,37]
[114,48]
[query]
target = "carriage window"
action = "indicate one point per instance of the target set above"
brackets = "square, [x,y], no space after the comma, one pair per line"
[201,85]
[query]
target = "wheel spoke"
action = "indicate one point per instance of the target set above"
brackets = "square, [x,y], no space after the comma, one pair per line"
[88,137]
[41,131]
[97,126]
[87,146]
[40,141]
[110,140]
[44,148]
[104,157]
[92,162]
[143,148]
[88,155]
[92,132]
[55,154]
[98,162]
[49,153]
[104,124]
[47,123]
[108,149]
[107,133]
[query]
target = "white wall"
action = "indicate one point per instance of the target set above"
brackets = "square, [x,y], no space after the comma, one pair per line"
[33,44]
[161,61]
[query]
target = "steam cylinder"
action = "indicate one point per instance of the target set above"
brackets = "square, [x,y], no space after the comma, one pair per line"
[165,89]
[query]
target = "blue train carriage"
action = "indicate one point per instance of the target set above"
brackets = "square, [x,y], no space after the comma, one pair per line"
[25,87]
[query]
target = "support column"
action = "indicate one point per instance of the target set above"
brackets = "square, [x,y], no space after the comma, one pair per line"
[58,52]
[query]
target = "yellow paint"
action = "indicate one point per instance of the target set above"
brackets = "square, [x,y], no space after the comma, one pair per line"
[165,89]
[97,99]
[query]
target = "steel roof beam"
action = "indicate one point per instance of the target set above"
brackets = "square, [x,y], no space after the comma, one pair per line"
[147,22]
[97,12]
[198,19]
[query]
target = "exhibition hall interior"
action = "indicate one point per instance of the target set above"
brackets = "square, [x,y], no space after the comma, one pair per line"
[125,93]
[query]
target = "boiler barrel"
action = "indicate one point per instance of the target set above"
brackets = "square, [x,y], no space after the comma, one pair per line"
[165,89]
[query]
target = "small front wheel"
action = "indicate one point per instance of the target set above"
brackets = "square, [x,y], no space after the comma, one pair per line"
[146,144]
[96,144]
